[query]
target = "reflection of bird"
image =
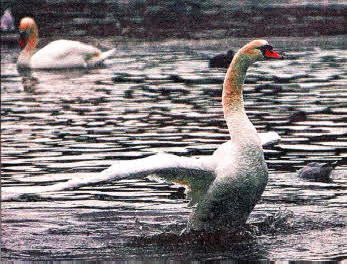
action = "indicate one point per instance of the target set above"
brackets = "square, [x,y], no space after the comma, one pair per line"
[226,185]
[320,172]
[58,54]
[7,21]
[221,60]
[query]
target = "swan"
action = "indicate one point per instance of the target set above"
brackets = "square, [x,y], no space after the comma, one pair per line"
[221,60]
[226,185]
[58,54]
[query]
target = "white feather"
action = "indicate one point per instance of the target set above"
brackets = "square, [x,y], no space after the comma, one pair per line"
[168,166]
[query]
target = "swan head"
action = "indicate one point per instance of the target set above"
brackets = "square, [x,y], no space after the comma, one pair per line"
[27,28]
[258,50]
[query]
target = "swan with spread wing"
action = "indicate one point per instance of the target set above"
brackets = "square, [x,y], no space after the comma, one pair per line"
[226,185]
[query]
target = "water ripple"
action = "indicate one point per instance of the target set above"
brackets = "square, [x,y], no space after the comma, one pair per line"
[164,98]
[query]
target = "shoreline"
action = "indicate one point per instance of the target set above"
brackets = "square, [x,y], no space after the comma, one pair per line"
[181,19]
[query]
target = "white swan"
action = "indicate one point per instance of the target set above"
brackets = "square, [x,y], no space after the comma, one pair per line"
[227,184]
[59,54]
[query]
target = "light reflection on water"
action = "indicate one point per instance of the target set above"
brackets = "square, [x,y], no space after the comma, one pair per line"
[155,98]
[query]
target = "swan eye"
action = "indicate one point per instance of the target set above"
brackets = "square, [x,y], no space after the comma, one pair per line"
[265,48]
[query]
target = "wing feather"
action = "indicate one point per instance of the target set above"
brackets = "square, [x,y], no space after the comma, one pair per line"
[166,165]
[197,173]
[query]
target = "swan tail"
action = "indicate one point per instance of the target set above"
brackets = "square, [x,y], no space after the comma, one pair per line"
[107,54]
[99,58]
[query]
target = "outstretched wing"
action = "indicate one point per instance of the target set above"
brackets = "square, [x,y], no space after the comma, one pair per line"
[196,173]
[168,166]
[190,171]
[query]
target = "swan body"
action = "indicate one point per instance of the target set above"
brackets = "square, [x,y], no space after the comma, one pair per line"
[226,185]
[59,54]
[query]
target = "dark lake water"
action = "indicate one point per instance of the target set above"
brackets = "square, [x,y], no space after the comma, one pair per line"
[155,97]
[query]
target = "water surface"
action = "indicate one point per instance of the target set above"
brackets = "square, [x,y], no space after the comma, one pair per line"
[155,97]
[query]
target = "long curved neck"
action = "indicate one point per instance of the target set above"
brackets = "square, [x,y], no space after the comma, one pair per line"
[234,112]
[32,41]
[232,88]
[29,49]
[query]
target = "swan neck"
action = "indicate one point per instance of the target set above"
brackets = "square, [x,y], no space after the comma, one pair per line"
[32,41]
[29,49]
[233,83]
[240,127]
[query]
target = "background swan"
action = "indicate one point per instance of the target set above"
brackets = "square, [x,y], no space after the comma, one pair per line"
[227,184]
[221,60]
[58,54]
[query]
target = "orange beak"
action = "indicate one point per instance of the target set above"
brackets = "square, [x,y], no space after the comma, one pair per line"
[271,54]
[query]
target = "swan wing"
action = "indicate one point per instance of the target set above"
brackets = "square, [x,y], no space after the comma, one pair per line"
[269,138]
[196,173]
[163,164]
[189,171]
